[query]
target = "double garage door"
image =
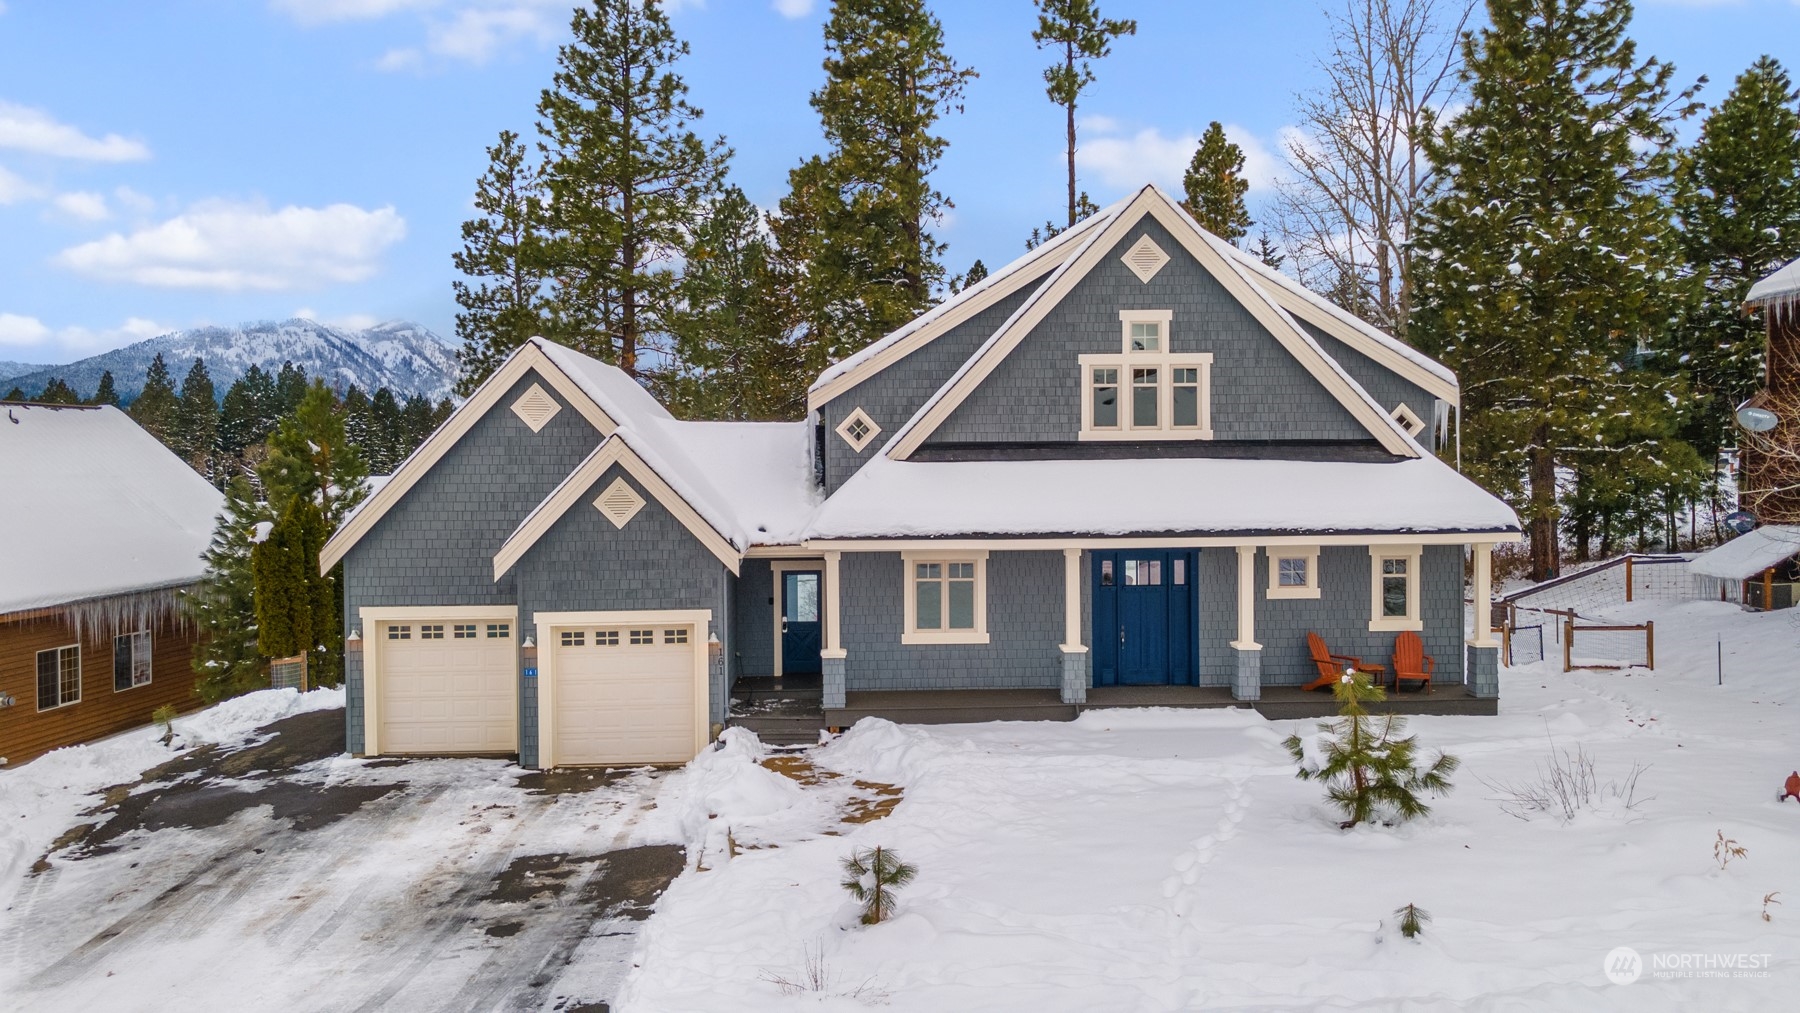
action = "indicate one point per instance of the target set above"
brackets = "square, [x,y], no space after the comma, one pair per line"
[448,686]
[626,693]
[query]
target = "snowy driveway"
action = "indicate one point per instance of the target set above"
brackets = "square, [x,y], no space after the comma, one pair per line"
[283,875]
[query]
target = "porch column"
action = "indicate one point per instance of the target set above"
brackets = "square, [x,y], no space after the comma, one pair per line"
[1483,650]
[1074,652]
[831,656]
[1247,685]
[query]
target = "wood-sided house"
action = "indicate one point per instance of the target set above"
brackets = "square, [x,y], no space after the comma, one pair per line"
[101,535]
[1134,457]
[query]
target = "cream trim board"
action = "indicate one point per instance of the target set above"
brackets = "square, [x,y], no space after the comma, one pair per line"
[847,430]
[1152,203]
[1377,555]
[1304,309]
[910,632]
[1165,363]
[573,488]
[528,357]
[1407,419]
[776,570]
[924,545]
[371,619]
[1308,555]
[548,623]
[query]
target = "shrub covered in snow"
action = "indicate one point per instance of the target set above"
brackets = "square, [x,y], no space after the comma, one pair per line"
[871,877]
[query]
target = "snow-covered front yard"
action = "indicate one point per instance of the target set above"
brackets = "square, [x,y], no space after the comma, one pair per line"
[1162,860]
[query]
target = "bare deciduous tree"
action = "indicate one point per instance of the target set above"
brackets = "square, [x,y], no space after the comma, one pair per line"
[1355,178]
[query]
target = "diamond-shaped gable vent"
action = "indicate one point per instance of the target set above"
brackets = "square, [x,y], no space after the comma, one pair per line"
[535,408]
[619,503]
[1145,258]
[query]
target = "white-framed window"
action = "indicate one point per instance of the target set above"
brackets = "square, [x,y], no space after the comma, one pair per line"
[499,631]
[1408,419]
[858,430]
[1394,587]
[641,638]
[1293,571]
[463,631]
[946,598]
[58,677]
[431,631]
[675,636]
[131,660]
[1146,392]
[400,632]
[574,638]
[606,638]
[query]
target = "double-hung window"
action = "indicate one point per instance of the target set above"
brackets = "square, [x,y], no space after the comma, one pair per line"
[1146,391]
[946,599]
[58,677]
[1394,587]
[131,660]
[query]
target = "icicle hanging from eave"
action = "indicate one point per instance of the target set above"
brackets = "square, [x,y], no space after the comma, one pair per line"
[1777,305]
[166,608]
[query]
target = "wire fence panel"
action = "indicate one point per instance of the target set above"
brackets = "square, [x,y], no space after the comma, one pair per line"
[1524,645]
[1597,646]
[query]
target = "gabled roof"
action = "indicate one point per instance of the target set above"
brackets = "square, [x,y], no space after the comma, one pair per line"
[1748,554]
[1098,244]
[97,507]
[1779,289]
[940,319]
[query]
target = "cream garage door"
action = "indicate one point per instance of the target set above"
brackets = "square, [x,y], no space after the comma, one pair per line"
[625,694]
[448,687]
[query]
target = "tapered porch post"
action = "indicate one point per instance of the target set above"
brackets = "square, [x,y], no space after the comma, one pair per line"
[1483,650]
[831,656]
[1247,685]
[1074,652]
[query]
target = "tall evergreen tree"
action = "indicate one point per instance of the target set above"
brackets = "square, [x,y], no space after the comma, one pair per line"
[627,176]
[1074,30]
[156,405]
[247,417]
[1215,186]
[106,393]
[1739,210]
[384,440]
[1267,252]
[197,419]
[58,392]
[356,421]
[736,339]
[1548,253]
[16,394]
[290,389]
[854,229]
[505,257]
[226,656]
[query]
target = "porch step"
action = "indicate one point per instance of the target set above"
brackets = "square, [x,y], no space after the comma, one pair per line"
[782,729]
[955,706]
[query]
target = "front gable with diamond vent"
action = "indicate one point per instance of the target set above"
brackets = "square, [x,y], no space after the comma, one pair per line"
[535,408]
[619,503]
[1145,258]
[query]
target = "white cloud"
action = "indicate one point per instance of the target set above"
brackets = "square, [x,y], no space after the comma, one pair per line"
[18,330]
[395,60]
[233,247]
[133,201]
[793,8]
[26,129]
[89,207]
[469,31]
[324,12]
[473,34]
[31,340]
[1126,162]
[14,188]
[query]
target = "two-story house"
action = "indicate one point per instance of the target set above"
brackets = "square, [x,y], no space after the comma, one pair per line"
[1134,457]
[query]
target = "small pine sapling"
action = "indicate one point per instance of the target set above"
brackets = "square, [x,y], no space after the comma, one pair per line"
[1370,770]
[871,877]
[165,716]
[1769,898]
[1725,849]
[1412,920]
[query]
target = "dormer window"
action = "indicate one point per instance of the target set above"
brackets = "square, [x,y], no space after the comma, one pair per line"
[1146,392]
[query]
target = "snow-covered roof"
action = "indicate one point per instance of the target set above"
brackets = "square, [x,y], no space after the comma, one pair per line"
[98,507]
[1780,288]
[1748,554]
[763,471]
[928,499]
[612,388]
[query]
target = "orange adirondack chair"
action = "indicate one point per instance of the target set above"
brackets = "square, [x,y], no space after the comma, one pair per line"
[1331,666]
[1411,661]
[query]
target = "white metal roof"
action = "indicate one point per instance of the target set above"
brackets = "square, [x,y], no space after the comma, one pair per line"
[95,506]
[1748,554]
[1782,287]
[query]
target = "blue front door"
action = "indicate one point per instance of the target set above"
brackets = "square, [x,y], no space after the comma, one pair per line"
[1144,618]
[800,622]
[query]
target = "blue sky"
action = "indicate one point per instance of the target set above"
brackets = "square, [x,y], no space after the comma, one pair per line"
[182,162]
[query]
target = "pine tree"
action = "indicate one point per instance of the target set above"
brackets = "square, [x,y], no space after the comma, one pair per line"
[290,389]
[736,341]
[628,178]
[385,437]
[415,424]
[1739,211]
[976,274]
[1547,255]
[1268,253]
[58,392]
[871,877]
[226,656]
[854,230]
[246,418]
[357,421]
[1370,772]
[505,256]
[1084,209]
[16,394]
[1215,186]
[1074,29]
[197,420]
[105,393]
[155,406]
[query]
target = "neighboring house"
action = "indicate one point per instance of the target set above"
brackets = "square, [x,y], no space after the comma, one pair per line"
[101,534]
[1134,457]
[1769,486]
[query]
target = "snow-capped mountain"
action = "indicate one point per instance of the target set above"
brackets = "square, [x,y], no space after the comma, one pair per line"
[18,368]
[404,357]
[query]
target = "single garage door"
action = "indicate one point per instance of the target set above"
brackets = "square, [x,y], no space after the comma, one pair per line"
[448,687]
[625,694]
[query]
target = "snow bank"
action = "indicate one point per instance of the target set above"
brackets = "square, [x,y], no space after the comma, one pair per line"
[729,782]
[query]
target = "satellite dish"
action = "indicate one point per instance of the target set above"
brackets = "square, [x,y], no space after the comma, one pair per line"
[1757,420]
[1741,521]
